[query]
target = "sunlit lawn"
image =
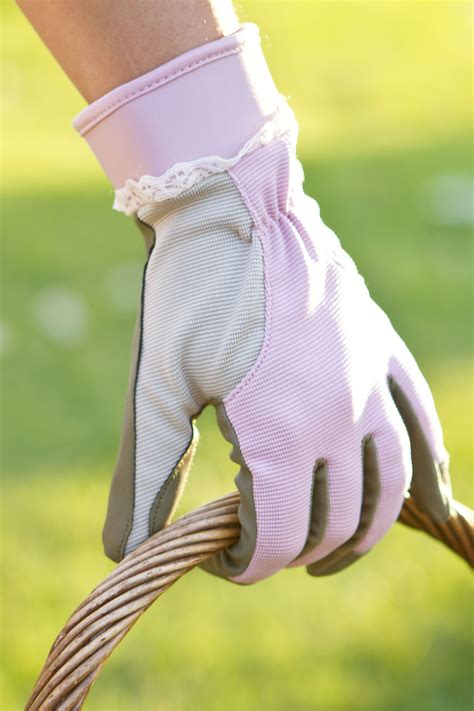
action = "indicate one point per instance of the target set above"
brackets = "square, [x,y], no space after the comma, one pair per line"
[382,91]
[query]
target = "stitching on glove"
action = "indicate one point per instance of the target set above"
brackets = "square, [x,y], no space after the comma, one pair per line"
[268,327]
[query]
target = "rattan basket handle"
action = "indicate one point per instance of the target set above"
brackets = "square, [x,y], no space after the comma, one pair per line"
[98,625]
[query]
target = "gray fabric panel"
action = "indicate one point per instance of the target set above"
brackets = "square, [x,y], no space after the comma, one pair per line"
[337,566]
[234,560]
[319,507]
[203,326]
[118,522]
[430,485]
[168,497]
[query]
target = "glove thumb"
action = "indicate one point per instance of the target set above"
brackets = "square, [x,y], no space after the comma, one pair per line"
[158,442]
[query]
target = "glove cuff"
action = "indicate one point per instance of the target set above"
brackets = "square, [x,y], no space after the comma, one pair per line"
[207,102]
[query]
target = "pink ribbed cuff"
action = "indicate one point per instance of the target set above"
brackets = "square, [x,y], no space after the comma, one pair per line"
[206,102]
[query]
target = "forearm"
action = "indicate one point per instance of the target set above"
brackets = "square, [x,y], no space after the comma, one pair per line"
[101,44]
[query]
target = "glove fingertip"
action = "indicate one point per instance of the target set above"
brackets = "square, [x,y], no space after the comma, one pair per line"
[318,571]
[168,497]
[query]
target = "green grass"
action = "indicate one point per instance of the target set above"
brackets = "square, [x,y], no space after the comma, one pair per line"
[382,91]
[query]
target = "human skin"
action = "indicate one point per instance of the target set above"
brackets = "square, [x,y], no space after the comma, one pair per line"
[101,44]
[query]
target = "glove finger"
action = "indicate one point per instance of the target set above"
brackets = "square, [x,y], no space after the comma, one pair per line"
[336,507]
[393,458]
[387,474]
[345,555]
[319,511]
[157,448]
[157,444]
[430,483]
[273,514]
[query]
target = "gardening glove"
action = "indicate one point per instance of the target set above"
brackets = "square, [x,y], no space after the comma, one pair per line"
[250,303]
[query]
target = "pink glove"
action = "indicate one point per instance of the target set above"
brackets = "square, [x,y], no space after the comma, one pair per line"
[249,303]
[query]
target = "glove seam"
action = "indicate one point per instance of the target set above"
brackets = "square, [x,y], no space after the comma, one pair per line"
[260,227]
[268,316]
[262,221]
[182,176]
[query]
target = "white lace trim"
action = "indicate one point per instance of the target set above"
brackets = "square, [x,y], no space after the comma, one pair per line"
[182,176]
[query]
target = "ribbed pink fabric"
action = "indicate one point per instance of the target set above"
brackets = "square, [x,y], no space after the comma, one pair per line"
[207,102]
[319,385]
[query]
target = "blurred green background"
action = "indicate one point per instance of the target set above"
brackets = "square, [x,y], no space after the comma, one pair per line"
[382,91]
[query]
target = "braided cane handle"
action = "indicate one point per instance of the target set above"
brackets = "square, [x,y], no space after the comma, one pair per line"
[110,611]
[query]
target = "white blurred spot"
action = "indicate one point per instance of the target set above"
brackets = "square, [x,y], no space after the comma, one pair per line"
[5,338]
[450,199]
[123,284]
[62,315]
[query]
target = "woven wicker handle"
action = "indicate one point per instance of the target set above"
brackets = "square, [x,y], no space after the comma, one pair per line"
[110,611]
